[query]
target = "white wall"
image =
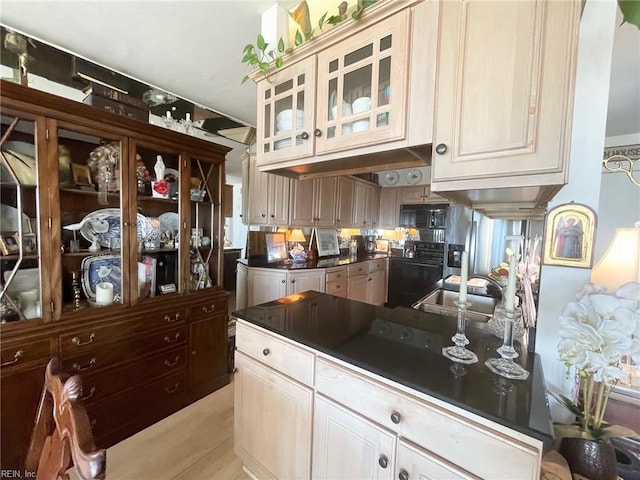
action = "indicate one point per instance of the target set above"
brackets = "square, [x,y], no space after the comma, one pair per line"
[559,284]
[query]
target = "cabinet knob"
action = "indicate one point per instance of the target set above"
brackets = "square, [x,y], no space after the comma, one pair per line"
[263,215]
[317,132]
[441,148]
[383,461]
[304,136]
[272,215]
[403,475]
[266,352]
[293,281]
[395,417]
[283,281]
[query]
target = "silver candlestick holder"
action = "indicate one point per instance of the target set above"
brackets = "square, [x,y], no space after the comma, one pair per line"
[505,366]
[459,352]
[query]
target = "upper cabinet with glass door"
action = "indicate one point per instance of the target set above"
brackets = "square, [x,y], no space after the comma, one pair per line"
[22,292]
[347,92]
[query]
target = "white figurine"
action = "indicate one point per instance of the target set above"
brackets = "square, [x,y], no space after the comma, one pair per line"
[159,168]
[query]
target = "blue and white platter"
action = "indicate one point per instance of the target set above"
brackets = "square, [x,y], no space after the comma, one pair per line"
[105,225]
[101,268]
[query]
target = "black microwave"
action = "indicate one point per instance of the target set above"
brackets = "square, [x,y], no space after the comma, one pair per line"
[423,216]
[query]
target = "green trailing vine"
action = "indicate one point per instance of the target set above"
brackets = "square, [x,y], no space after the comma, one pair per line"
[264,59]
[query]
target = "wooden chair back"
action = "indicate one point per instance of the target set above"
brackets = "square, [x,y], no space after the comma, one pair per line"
[62,434]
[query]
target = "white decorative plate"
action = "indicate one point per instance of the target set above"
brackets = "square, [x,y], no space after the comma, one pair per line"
[105,225]
[391,177]
[414,176]
[169,221]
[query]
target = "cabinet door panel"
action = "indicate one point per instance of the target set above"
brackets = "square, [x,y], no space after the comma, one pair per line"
[302,281]
[265,286]
[258,191]
[208,346]
[277,199]
[389,217]
[344,202]
[301,211]
[377,288]
[357,288]
[421,464]
[359,202]
[502,112]
[413,195]
[272,416]
[325,201]
[347,446]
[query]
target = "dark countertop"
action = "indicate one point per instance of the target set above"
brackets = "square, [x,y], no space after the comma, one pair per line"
[404,345]
[318,263]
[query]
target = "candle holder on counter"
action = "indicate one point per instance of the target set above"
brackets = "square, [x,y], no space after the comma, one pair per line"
[505,366]
[459,352]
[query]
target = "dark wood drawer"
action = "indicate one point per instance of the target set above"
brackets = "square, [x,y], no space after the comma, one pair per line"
[140,406]
[75,340]
[101,356]
[203,311]
[96,387]
[17,356]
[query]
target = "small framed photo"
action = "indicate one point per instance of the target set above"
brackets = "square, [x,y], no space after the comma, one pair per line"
[276,247]
[29,243]
[569,233]
[9,243]
[81,174]
[327,240]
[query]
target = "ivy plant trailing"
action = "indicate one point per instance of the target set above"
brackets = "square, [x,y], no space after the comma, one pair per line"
[266,60]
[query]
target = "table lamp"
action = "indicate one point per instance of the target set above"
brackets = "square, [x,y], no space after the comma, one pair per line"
[297,251]
[621,262]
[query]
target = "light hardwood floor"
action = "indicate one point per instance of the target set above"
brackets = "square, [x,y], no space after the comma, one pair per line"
[195,443]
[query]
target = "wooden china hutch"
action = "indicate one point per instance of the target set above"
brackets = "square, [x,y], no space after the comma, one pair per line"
[112,260]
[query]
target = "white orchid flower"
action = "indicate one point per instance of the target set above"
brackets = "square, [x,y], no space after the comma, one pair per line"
[629,291]
[589,289]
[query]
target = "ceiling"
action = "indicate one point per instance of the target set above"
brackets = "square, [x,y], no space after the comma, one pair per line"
[193,49]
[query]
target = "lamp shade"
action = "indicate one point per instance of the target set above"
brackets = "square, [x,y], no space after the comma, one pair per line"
[621,262]
[297,236]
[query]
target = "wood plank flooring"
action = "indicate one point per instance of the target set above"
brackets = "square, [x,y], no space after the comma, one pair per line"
[195,443]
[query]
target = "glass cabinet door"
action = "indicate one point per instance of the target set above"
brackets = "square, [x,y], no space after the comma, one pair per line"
[205,220]
[21,295]
[285,124]
[356,85]
[91,231]
[157,192]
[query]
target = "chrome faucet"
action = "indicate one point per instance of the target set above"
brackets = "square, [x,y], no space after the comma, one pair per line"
[498,286]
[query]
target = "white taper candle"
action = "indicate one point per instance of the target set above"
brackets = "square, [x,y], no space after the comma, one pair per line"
[462,297]
[511,285]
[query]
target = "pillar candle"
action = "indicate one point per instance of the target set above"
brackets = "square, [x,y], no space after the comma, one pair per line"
[462,297]
[104,293]
[510,295]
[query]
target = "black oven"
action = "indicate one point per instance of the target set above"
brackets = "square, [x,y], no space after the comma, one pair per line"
[410,279]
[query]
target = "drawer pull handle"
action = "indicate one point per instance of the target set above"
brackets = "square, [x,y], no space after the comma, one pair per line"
[170,363]
[209,309]
[79,368]
[77,341]
[91,393]
[16,358]
[266,352]
[383,461]
[395,417]
[403,475]
[175,338]
[172,389]
[170,319]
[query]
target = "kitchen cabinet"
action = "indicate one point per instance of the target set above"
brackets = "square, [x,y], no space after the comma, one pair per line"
[336,281]
[268,199]
[266,284]
[313,279]
[344,201]
[313,202]
[347,92]
[366,205]
[503,121]
[120,225]
[418,195]
[417,463]
[367,281]
[389,216]
[276,445]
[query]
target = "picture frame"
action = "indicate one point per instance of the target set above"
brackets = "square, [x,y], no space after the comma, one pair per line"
[29,243]
[276,247]
[9,243]
[569,234]
[81,174]
[327,242]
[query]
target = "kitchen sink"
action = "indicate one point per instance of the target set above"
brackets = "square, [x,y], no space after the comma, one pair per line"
[442,302]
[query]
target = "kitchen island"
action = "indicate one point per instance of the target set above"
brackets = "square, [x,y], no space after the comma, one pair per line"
[327,387]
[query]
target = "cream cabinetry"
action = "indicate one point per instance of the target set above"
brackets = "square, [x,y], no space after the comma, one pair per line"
[413,462]
[389,216]
[344,201]
[503,119]
[418,195]
[336,281]
[268,197]
[272,419]
[367,281]
[313,202]
[267,284]
[366,205]
[347,92]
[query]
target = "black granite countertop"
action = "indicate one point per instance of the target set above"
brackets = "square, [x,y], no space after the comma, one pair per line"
[405,345]
[318,263]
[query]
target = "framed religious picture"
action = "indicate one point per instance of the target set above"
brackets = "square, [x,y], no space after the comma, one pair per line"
[81,174]
[569,233]
[327,242]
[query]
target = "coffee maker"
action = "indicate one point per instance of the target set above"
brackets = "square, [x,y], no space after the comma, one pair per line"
[370,244]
